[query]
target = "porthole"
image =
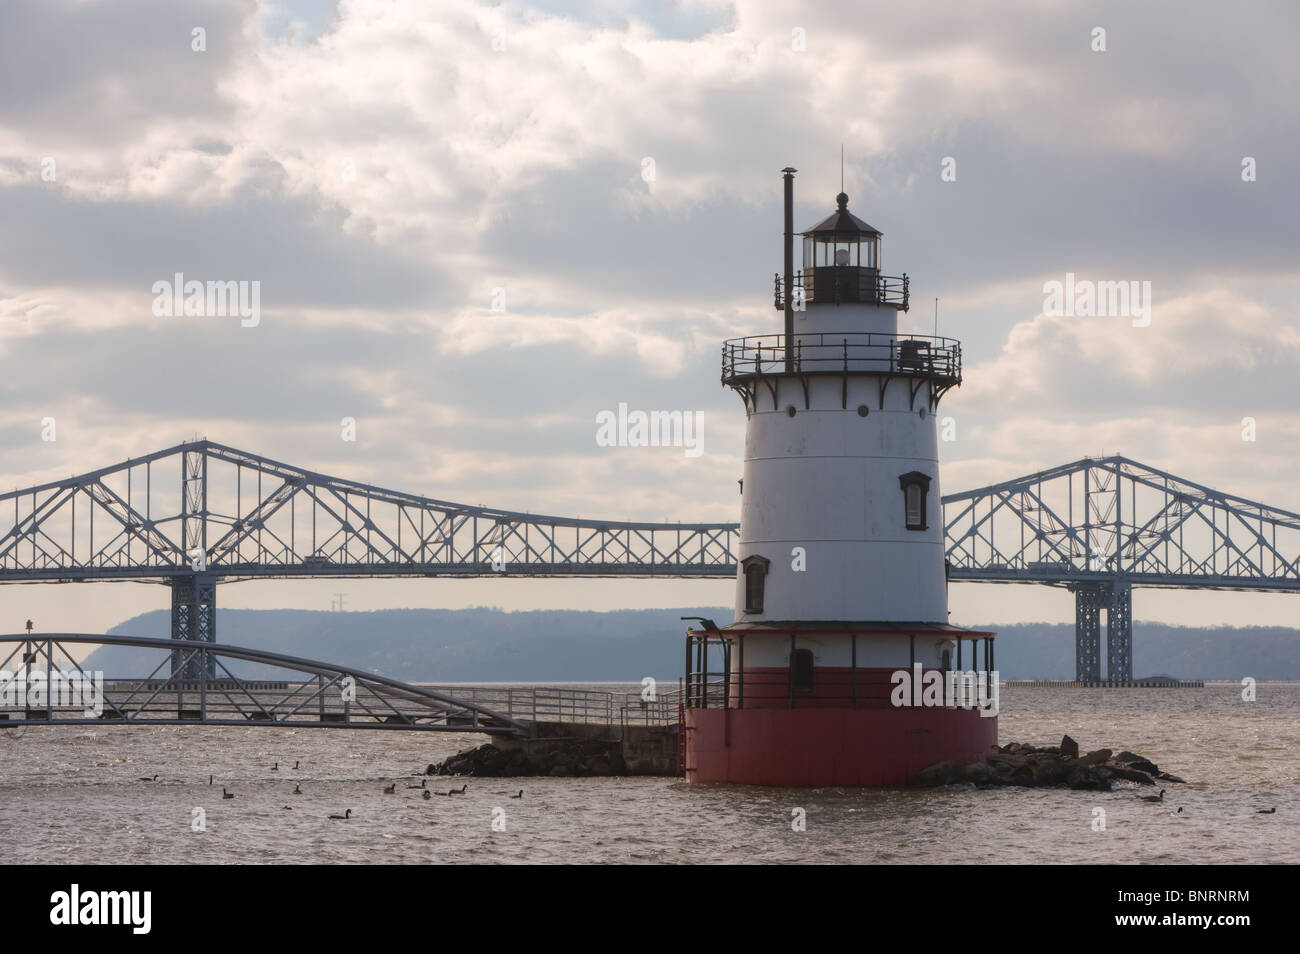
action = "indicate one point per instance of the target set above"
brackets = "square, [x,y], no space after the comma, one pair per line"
[863,410]
[790,411]
[922,412]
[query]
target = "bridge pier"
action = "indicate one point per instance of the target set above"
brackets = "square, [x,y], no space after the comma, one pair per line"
[1119,633]
[1115,598]
[194,616]
[1087,633]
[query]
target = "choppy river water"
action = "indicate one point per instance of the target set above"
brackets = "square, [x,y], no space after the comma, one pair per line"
[72,795]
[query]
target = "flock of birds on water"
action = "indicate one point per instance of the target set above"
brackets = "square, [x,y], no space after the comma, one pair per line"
[428,793]
[423,787]
[1159,800]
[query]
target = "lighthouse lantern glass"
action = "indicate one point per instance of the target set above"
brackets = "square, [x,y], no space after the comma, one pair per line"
[853,250]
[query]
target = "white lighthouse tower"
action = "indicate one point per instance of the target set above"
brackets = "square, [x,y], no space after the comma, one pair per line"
[841,612]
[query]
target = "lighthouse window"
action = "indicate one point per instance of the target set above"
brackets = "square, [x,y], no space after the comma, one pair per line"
[915,510]
[916,487]
[801,670]
[755,570]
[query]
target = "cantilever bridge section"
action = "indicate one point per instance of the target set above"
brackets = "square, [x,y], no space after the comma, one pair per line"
[200,513]
[1101,527]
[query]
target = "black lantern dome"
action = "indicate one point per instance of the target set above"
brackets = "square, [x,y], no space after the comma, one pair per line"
[841,239]
[841,262]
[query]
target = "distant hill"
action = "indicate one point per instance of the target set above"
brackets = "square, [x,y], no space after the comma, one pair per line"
[491,645]
[425,645]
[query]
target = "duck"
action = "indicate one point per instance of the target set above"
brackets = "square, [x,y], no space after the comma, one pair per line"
[225,794]
[344,817]
[427,794]
[1266,811]
[458,791]
[154,779]
[390,789]
[1153,798]
[295,765]
[520,795]
[210,778]
[424,784]
[275,767]
[297,789]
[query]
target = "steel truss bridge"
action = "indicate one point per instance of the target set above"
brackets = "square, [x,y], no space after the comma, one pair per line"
[1102,527]
[201,513]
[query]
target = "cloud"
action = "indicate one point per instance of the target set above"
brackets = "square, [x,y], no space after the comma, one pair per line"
[385,171]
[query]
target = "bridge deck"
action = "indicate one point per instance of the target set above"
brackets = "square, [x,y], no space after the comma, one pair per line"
[41,683]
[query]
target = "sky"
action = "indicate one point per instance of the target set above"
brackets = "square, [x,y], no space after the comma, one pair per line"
[477,226]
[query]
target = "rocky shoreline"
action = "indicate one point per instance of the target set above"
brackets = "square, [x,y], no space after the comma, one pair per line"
[559,759]
[1049,766]
[1017,763]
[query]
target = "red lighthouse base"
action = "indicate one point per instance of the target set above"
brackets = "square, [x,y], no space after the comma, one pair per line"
[831,747]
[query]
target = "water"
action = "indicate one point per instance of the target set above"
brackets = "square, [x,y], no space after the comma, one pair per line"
[71,795]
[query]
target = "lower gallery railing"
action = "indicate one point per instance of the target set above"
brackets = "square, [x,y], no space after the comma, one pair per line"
[853,687]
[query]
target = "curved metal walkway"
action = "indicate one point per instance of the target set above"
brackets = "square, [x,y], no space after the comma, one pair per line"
[42,684]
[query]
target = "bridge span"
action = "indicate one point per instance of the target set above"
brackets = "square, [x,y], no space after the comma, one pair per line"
[200,513]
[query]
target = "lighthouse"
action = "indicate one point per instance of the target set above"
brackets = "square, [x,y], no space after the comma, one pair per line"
[840,666]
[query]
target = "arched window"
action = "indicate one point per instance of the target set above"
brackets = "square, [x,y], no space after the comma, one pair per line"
[755,570]
[801,670]
[916,490]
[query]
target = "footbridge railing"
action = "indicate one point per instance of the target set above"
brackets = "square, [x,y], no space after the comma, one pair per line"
[42,682]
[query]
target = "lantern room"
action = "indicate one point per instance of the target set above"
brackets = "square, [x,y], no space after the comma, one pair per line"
[841,262]
[841,240]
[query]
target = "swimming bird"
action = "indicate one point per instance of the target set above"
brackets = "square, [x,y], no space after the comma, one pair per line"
[1265,811]
[295,765]
[520,795]
[458,791]
[1154,798]
[343,817]
[225,794]
[275,767]
[424,784]
[210,778]
[287,807]
[427,794]
[154,779]
[297,789]
[390,789]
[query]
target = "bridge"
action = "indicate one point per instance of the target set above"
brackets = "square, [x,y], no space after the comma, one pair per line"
[201,513]
[1100,527]
[42,682]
